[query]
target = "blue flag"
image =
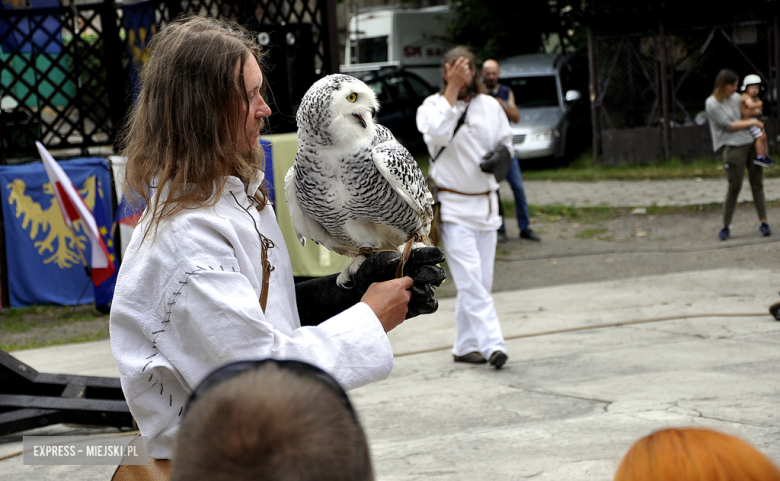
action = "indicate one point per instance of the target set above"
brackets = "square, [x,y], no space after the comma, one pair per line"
[139,22]
[127,213]
[36,29]
[44,257]
[269,169]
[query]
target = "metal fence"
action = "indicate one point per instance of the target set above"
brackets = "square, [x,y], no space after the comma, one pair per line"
[639,84]
[71,89]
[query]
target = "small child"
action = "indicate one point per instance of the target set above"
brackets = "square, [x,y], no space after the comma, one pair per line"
[751,107]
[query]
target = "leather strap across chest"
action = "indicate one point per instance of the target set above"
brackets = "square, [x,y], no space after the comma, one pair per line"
[266,244]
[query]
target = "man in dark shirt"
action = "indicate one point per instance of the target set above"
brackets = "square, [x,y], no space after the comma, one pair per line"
[504,95]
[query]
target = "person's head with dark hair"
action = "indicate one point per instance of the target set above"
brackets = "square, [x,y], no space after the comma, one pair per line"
[694,455]
[197,117]
[449,58]
[270,420]
[725,84]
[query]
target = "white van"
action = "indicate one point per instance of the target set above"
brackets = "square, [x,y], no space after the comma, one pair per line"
[412,38]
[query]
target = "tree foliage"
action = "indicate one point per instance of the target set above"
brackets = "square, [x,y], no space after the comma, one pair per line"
[500,28]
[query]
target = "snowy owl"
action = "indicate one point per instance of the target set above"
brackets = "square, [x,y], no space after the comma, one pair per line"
[353,188]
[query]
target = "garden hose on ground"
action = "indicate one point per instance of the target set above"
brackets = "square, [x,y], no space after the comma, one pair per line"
[597,326]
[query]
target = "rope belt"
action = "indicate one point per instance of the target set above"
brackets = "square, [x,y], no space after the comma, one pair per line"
[490,206]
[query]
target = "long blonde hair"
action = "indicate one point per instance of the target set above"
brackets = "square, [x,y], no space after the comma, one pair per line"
[185,131]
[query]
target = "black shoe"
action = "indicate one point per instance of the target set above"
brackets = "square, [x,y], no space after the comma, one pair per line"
[764,229]
[775,311]
[765,161]
[502,236]
[498,359]
[472,357]
[530,235]
[725,233]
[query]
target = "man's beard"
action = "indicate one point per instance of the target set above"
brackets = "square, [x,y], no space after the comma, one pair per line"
[471,89]
[254,156]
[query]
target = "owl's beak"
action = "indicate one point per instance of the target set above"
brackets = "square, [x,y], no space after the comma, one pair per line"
[373,112]
[360,120]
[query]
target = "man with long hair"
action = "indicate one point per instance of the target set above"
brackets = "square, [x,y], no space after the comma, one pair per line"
[460,126]
[207,278]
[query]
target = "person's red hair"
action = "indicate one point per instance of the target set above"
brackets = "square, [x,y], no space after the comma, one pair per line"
[694,455]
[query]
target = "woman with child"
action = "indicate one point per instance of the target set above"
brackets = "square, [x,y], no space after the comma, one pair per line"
[731,135]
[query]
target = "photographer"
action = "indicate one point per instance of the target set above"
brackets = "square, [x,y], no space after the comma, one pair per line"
[461,126]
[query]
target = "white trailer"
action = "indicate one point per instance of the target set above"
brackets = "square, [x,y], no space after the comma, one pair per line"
[415,39]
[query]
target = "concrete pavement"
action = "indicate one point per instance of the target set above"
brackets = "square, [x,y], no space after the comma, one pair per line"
[593,367]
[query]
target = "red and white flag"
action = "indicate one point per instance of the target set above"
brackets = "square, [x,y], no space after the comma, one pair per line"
[73,208]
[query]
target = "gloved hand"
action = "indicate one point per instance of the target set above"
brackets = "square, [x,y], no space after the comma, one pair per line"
[421,267]
[320,299]
[497,162]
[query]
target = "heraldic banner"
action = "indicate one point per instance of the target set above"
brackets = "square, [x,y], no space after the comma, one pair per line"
[42,254]
[139,22]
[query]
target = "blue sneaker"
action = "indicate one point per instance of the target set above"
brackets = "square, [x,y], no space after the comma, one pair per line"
[724,233]
[764,161]
[765,230]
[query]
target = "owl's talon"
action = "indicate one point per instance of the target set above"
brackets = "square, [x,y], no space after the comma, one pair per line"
[346,279]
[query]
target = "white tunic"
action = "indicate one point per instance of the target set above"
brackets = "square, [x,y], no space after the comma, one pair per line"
[187,302]
[457,168]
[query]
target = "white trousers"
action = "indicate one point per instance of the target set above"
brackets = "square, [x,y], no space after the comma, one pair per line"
[471,255]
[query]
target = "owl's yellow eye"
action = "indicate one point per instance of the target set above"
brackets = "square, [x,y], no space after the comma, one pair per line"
[352,97]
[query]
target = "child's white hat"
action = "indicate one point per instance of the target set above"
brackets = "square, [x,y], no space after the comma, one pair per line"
[750,80]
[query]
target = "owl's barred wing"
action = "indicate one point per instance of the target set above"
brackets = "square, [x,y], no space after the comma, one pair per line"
[305,227]
[382,134]
[397,165]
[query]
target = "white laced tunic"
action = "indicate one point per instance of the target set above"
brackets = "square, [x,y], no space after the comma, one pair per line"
[187,302]
[457,167]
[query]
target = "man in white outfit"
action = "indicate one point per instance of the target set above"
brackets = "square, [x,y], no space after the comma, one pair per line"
[207,279]
[461,126]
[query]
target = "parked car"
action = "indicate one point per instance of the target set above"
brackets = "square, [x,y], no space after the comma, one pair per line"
[400,92]
[549,92]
